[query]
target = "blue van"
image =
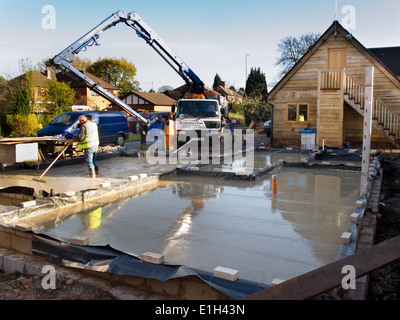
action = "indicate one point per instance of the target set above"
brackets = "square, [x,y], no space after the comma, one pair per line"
[113,126]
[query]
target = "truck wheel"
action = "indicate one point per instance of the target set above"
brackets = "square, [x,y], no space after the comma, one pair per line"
[120,140]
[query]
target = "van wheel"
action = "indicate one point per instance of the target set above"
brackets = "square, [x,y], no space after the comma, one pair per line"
[120,140]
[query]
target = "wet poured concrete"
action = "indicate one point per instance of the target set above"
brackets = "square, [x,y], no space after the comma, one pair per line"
[205,223]
[76,177]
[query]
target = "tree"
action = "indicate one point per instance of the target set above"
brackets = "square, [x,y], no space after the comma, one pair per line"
[78,63]
[164,88]
[118,72]
[81,64]
[59,97]
[256,84]
[292,49]
[217,81]
[22,122]
[22,105]
[256,109]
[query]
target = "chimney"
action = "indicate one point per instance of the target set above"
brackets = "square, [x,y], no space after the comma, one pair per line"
[48,73]
[222,84]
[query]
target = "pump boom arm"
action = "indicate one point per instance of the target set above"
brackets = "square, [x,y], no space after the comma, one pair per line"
[133,20]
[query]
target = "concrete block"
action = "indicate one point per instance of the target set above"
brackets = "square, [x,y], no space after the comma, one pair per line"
[23,227]
[226,273]
[34,268]
[354,216]
[79,240]
[241,173]
[21,244]
[152,257]
[13,263]
[105,185]
[359,203]
[142,175]
[276,282]
[346,237]
[5,239]
[27,204]
[3,252]
[133,178]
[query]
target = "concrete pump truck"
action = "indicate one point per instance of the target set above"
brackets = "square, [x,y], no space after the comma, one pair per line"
[202,110]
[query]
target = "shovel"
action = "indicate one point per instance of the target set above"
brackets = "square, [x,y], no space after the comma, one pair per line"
[51,164]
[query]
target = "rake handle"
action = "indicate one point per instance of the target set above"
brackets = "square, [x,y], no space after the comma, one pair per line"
[51,164]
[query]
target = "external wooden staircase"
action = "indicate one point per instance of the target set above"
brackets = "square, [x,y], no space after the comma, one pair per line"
[384,120]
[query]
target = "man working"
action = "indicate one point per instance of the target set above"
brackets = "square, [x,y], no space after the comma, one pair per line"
[88,140]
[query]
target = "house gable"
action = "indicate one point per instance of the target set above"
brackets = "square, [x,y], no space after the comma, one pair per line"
[335,30]
[299,88]
[150,101]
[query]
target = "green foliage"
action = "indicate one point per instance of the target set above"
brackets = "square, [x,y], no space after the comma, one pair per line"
[22,105]
[256,84]
[217,81]
[237,108]
[59,97]
[164,88]
[256,109]
[119,72]
[23,126]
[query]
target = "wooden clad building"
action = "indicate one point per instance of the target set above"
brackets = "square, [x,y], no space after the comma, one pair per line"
[325,91]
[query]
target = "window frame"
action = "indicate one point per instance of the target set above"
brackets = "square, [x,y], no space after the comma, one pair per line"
[297,104]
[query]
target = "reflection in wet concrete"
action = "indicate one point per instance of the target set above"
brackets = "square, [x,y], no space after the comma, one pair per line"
[204,223]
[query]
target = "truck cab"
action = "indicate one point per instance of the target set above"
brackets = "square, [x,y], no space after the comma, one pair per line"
[202,116]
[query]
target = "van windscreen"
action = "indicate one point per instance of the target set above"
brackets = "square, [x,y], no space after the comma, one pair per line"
[65,119]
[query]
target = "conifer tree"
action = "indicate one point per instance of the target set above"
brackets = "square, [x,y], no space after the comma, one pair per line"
[217,81]
[22,105]
[256,84]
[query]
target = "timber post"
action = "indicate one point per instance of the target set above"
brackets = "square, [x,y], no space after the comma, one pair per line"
[367,128]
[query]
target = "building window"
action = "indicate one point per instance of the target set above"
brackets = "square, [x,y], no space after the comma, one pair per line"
[298,112]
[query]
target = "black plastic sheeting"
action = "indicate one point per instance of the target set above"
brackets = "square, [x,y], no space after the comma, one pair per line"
[321,166]
[108,259]
[339,155]
[19,190]
[185,171]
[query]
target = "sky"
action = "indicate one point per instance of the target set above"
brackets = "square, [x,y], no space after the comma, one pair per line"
[211,37]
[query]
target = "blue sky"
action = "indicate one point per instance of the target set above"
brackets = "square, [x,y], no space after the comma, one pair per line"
[209,36]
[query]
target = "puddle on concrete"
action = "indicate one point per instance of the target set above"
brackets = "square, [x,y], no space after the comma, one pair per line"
[205,223]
